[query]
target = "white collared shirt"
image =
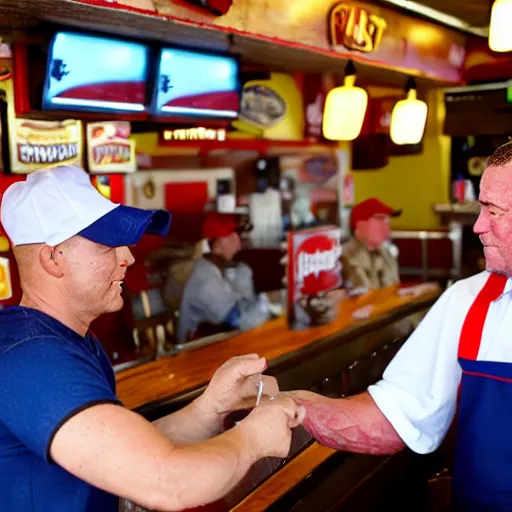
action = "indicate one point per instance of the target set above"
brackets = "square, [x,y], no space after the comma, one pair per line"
[418,391]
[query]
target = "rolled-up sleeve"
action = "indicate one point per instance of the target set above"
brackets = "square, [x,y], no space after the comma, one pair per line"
[418,391]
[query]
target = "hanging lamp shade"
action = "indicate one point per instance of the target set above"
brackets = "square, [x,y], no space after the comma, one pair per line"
[500,32]
[408,118]
[344,109]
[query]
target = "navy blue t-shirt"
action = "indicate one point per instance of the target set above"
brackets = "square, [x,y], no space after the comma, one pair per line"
[48,373]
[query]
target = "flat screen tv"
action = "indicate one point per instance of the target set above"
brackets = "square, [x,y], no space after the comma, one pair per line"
[195,84]
[97,74]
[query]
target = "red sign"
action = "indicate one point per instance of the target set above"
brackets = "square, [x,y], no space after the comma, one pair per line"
[314,268]
[314,93]
[217,7]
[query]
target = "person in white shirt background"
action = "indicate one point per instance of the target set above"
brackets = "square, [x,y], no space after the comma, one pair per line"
[459,360]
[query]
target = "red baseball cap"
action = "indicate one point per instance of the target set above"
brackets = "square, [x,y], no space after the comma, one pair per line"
[218,225]
[367,209]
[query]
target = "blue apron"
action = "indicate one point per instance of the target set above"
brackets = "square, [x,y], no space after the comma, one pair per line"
[482,477]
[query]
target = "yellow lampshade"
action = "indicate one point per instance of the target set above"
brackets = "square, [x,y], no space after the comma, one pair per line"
[344,111]
[408,120]
[500,34]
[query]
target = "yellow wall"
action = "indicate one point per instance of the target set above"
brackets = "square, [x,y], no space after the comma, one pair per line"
[414,183]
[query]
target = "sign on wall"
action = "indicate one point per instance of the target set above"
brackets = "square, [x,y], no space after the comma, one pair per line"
[355,28]
[272,108]
[38,144]
[5,279]
[109,147]
[194,134]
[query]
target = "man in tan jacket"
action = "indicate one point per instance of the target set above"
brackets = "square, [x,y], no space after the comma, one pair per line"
[367,262]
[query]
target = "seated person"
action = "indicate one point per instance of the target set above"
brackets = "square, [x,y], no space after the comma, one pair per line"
[176,262]
[366,261]
[219,293]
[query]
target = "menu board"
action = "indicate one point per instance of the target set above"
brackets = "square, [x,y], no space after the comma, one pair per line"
[109,147]
[38,144]
[314,268]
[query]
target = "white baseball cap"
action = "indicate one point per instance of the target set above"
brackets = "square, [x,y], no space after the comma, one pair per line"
[53,205]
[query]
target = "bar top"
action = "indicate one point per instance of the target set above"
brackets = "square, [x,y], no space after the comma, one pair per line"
[190,370]
[285,479]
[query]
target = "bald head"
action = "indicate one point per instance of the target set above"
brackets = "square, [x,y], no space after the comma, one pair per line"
[26,258]
[31,258]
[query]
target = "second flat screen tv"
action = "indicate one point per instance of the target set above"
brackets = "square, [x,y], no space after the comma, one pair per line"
[194,84]
[97,74]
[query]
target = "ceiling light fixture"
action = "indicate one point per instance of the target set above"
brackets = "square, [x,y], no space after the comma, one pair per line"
[500,33]
[345,108]
[409,117]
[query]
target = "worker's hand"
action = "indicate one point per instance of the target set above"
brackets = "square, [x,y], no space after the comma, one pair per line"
[235,385]
[269,426]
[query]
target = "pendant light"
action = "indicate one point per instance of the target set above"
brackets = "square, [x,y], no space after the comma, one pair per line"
[409,117]
[345,108]
[500,33]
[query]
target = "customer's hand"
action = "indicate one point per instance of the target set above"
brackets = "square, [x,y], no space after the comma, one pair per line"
[235,385]
[269,426]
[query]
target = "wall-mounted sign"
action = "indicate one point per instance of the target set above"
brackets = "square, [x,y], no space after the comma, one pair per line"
[198,133]
[315,87]
[39,144]
[5,280]
[272,108]
[318,169]
[314,268]
[5,61]
[262,106]
[355,28]
[109,148]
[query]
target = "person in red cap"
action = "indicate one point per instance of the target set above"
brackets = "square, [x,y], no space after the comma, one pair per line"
[219,294]
[367,262]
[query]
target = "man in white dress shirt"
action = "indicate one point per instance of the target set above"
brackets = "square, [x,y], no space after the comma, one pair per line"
[461,353]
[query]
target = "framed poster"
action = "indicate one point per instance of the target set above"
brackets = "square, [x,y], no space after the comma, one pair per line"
[109,147]
[38,144]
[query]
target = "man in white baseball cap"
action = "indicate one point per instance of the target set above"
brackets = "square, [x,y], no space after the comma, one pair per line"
[66,442]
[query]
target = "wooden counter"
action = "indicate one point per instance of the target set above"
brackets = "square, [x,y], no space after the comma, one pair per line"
[189,371]
[313,478]
[280,483]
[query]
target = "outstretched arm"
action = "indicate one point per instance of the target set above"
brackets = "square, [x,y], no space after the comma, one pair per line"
[352,424]
[233,386]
